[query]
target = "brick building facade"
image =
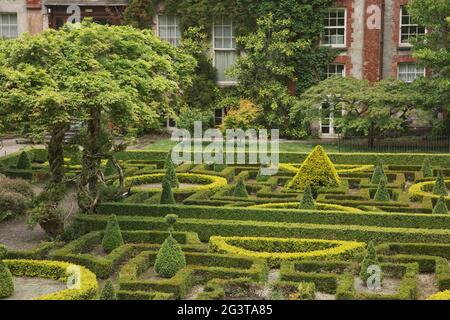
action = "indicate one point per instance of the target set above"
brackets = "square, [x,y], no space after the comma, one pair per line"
[371,36]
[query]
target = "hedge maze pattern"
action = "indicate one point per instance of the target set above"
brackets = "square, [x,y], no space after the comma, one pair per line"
[259,244]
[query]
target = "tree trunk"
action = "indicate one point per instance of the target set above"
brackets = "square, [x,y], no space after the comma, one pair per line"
[88,187]
[56,154]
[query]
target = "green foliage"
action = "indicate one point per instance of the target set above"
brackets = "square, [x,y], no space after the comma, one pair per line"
[112,238]
[108,292]
[308,200]
[440,188]
[110,169]
[24,161]
[378,173]
[167,194]
[240,191]
[369,260]
[243,117]
[6,282]
[307,291]
[316,171]
[139,13]
[382,194]
[16,196]
[368,109]
[441,206]
[188,116]
[171,175]
[427,169]
[170,258]
[171,219]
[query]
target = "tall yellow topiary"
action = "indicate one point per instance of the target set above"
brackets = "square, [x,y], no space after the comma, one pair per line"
[317,171]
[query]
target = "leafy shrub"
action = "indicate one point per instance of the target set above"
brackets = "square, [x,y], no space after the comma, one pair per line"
[24,161]
[167,194]
[382,194]
[369,260]
[171,174]
[378,173]
[170,258]
[12,204]
[108,292]
[427,170]
[113,236]
[240,191]
[244,117]
[317,171]
[17,186]
[308,200]
[439,187]
[441,206]
[188,117]
[171,219]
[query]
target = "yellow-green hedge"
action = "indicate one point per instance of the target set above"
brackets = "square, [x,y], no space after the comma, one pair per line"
[295,205]
[306,250]
[57,271]
[416,192]
[444,295]
[292,167]
[209,182]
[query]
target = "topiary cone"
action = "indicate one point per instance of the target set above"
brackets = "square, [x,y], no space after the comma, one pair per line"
[6,280]
[108,292]
[112,238]
[24,161]
[440,188]
[369,260]
[382,194]
[427,170]
[316,171]
[378,173]
[441,206]
[240,191]
[171,174]
[170,258]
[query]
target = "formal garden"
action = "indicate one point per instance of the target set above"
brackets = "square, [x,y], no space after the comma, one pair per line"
[227,232]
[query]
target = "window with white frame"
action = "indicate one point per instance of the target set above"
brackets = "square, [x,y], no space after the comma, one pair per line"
[8,25]
[335,28]
[169,29]
[410,71]
[329,115]
[408,29]
[335,70]
[224,43]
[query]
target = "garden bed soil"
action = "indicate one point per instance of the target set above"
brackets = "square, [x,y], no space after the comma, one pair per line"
[31,288]
[388,286]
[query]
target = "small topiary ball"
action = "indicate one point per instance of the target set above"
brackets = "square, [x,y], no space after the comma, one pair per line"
[6,280]
[171,219]
[112,238]
[170,258]
[108,292]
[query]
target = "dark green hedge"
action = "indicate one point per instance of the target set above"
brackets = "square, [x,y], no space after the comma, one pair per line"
[403,220]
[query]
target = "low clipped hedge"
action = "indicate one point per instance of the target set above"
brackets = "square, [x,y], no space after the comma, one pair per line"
[207,182]
[57,271]
[422,190]
[381,219]
[201,267]
[207,228]
[276,250]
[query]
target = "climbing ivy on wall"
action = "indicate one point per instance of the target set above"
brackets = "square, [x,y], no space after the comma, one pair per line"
[307,17]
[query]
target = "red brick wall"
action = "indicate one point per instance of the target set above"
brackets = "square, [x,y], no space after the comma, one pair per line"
[373,36]
[344,58]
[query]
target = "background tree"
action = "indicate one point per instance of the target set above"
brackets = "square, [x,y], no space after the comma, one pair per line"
[433,51]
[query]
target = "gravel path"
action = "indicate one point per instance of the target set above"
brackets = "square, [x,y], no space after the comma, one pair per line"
[16,235]
[10,146]
[427,286]
[30,288]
